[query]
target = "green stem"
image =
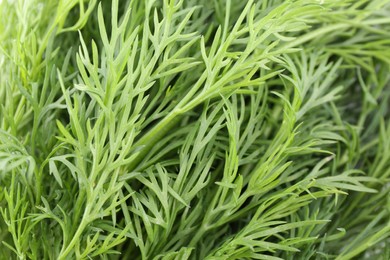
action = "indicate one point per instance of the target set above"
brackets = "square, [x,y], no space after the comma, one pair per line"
[195,239]
[147,141]
[63,254]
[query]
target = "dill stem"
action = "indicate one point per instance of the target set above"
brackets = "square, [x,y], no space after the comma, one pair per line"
[76,236]
[153,136]
[198,235]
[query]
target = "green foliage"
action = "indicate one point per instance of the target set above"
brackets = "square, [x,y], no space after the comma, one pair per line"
[196,129]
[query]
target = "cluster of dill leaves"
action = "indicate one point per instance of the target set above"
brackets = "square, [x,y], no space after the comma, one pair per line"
[195,129]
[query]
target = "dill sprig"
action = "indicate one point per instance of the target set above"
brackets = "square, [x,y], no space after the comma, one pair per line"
[194,129]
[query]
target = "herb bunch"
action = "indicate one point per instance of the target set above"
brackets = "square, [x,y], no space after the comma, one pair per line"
[195,129]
